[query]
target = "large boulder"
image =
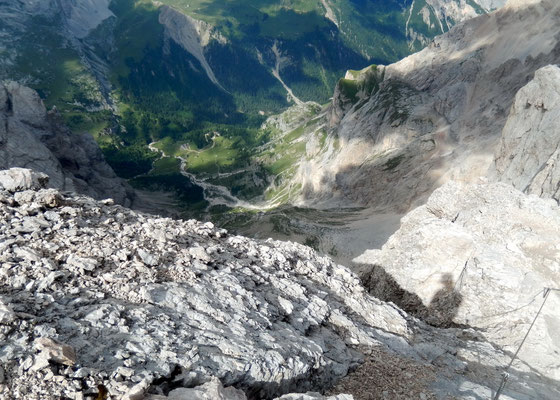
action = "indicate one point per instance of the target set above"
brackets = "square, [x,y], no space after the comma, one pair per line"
[478,255]
[20,179]
[528,156]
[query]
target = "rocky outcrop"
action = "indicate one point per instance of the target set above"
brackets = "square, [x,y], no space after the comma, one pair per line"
[20,179]
[479,255]
[32,138]
[436,115]
[98,300]
[192,35]
[528,156]
[491,4]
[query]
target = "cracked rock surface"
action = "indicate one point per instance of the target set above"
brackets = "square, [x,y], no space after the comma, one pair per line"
[480,255]
[98,301]
[139,298]
[528,156]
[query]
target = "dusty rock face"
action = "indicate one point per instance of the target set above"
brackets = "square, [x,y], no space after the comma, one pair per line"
[528,156]
[480,255]
[32,138]
[434,116]
[96,298]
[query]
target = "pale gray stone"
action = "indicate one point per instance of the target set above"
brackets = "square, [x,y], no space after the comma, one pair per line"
[7,315]
[266,317]
[212,390]
[21,179]
[52,350]
[479,255]
[147,257]
[528,156]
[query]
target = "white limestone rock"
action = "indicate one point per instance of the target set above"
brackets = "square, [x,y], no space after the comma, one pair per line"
[264,317]
[479,255]
[55,351]
[7,315]
[212,390]
[528,156]
[21,179]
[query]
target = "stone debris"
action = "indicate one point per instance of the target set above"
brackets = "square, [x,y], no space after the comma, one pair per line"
[385,376]
[212,390]
[156,307]
[142,299]
[6,313]
[18,179]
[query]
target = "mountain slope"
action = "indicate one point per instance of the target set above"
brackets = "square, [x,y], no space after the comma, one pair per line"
[529,150]
[471,241]
[404,129]
[30,137]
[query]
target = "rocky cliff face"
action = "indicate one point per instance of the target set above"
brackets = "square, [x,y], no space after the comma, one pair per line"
[484,254]
[528,156]
[83,16]
[32,138]
[192,35]
[479,255]
[153,308]
[434,116]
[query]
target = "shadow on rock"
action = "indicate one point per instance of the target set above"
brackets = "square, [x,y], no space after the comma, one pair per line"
[445,304]
[440,312]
